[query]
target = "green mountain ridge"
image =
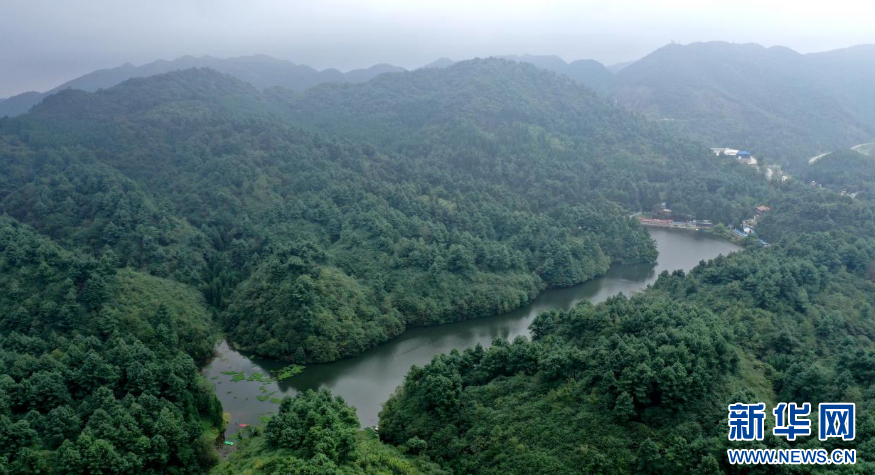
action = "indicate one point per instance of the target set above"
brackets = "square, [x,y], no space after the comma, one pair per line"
[845,171]
[443,198]
[784,106]
[327,241]
[143,220]
[261,71]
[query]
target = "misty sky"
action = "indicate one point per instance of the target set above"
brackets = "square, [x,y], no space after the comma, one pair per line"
[46,42]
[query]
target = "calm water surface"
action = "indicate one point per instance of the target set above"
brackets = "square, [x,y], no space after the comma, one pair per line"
[367,380]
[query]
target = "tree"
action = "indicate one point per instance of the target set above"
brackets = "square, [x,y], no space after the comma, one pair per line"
[314,422]
[624,408]
[648,457]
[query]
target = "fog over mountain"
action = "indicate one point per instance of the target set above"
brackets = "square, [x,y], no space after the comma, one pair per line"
[146,222]
[263,72]
[784,105]
[49,43]
[260,70]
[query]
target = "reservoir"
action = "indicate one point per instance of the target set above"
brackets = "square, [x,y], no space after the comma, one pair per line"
[366,381]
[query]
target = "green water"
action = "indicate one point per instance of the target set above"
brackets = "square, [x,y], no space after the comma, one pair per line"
[367,380]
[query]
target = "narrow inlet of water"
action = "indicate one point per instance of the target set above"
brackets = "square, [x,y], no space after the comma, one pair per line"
[366,381]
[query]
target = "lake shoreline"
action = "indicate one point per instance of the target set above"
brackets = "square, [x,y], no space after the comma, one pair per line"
[367,379]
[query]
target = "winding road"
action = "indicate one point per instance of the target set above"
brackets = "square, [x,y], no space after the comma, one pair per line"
[855,148]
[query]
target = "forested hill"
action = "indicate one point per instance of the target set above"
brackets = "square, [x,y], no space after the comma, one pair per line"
[97,365]
[315,245]
[845,171]
[253,213]
[143,220]
[586,72]
[640,384]
[784,106]
[490,93]
[545,129]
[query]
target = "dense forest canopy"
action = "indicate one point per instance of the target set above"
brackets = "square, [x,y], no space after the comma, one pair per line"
[784,106]
[437,188]
[845,171]
[98,365]
[316,433]
[143,221]
[641,384]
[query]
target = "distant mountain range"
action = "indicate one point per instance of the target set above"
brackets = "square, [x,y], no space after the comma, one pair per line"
[264,71]
[261,71]
[782,105]
[773,101]
[586,72]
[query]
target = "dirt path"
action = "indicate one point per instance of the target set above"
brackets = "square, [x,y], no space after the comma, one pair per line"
[814,159]
[857,148]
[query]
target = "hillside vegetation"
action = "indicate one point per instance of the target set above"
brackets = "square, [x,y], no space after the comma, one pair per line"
[318,433]
[784,106]
[93,381]
[142,221]
[641,384]
[438,188]
[847,170]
